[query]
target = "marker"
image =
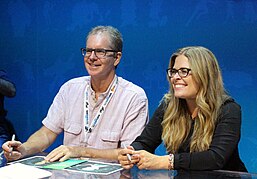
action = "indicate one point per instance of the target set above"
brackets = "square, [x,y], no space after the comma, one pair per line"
[129,157]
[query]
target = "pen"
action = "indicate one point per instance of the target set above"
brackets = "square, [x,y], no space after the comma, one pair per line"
[129,157]
[13,137]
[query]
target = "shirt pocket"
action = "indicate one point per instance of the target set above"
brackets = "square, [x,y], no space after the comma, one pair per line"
[110,139]
[72,133]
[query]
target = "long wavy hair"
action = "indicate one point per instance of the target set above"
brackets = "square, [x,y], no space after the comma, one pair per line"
[210,96]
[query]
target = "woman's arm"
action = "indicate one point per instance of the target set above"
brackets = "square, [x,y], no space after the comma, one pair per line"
[224,143]
[150,138]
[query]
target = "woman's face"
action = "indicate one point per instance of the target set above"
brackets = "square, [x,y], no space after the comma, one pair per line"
[184,87]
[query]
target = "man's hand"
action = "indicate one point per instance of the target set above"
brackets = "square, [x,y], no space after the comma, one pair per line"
[63,153]
[13,150]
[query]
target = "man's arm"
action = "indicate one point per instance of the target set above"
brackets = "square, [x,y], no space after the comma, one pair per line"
[63,153]
[37,142]
[111,154]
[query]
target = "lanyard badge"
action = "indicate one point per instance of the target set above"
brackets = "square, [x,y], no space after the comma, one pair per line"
[101,109]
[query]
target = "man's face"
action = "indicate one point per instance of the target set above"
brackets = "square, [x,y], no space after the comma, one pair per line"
[102,67]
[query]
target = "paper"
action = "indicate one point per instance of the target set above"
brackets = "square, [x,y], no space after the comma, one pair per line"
[95,167]
[75,165]
[32,161]
[36,161]
[22,171]
[63,165]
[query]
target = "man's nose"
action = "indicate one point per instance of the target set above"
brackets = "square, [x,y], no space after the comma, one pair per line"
[92,55]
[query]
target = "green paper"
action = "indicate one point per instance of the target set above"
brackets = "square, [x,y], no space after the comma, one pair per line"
[63,165]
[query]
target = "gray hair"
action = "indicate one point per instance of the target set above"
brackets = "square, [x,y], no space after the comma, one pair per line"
[115,36]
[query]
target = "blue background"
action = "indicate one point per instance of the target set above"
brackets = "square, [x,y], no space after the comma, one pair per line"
[40,44]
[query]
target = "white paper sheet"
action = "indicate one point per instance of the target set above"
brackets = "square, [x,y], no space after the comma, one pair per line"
[22,171]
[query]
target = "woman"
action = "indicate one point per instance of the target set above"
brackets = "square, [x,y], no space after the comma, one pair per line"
[197,121]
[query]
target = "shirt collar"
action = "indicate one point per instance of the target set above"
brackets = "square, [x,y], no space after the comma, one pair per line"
[104,94]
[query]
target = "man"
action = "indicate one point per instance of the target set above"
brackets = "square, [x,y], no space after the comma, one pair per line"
[98,113]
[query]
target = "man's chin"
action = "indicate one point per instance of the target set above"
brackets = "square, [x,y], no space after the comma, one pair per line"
[93,70]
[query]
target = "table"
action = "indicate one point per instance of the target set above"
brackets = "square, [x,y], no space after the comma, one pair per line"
[135,173]
[152,174]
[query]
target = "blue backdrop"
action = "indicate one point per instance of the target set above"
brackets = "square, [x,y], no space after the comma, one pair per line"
[40,49]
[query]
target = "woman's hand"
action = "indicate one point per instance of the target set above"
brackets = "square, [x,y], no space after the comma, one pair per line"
[124,160]
[150,161]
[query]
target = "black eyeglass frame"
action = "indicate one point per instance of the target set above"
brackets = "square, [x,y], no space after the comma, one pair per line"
[171,72]
[96,50]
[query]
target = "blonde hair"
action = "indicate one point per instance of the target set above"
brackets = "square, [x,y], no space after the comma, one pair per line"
[211,95]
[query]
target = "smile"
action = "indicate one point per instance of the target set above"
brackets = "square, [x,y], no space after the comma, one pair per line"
[179,86]
[93,65]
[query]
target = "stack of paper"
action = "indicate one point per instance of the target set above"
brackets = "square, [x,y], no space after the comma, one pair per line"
[22,171]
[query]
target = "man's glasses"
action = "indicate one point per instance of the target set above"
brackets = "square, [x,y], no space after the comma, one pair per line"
[182,72]
[99,52]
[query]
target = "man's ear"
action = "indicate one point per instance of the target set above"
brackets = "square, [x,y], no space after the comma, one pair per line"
[117,58]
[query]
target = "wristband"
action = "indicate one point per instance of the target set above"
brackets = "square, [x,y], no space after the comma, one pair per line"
[171,162]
